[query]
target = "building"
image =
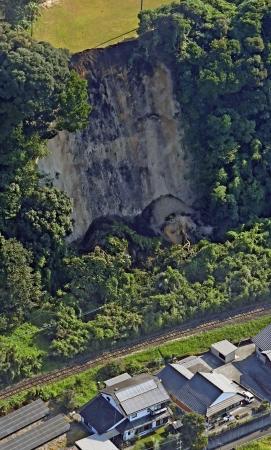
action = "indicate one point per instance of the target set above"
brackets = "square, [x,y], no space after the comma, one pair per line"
[97,442]
[263,345]
[195,386]
[224,350]
[132,406]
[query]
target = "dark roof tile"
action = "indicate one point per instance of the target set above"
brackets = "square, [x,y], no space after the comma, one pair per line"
[100,414]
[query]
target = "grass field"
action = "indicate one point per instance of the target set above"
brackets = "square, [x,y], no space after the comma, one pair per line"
[81,24]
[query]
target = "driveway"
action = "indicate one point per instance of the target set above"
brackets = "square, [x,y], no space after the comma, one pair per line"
[255,375]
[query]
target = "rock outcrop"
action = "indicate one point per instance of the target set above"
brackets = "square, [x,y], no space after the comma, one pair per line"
[133,152]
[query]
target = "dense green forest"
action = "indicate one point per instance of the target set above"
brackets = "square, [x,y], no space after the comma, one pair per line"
[57,301]
[221,55]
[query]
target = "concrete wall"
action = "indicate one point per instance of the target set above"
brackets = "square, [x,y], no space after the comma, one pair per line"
[237,433]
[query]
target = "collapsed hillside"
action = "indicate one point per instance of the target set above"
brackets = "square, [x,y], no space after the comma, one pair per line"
[179,134]
[132,158]
[181,122]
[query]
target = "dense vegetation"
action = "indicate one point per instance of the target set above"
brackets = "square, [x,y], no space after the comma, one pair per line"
[221,54]
[262,444]
[123,285]
[19,12]
[39,95]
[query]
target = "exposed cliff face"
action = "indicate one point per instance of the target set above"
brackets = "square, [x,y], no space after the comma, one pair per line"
[133,152]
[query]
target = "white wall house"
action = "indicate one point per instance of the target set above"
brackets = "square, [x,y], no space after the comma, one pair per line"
[133,407]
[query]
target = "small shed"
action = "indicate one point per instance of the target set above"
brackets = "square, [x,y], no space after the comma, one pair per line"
[118,379]
[224,350]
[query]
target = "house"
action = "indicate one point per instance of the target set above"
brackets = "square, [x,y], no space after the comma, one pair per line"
[132,406]
[195,387]
[224,350]
[263,345]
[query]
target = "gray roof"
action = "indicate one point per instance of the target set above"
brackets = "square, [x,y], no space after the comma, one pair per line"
[172,379]
[97,442]
[198,393]
[220,381]
[100,414]
[267,353]
[194,364]
[224,404]
[182,370]
[23,417]
[137,393]
[224,347]
[263,339]
[118,379]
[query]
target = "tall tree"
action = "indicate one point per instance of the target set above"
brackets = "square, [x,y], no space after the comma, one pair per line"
[37,89]
[20,287]
[193,433]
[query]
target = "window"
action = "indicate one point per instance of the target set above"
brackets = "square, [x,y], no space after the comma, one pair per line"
[133,416]
[221,356]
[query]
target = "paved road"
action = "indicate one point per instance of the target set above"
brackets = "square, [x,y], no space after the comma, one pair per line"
[250,437]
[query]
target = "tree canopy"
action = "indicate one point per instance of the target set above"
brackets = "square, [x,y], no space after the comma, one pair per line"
[37,89]
[221,58]
[124,284]
[193,433]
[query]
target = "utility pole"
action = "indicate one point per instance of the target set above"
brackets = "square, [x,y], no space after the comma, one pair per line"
[141,7]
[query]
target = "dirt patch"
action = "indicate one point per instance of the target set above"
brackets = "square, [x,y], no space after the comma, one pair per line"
[49,3]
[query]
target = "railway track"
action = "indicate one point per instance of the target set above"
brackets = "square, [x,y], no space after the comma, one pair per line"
[176,333]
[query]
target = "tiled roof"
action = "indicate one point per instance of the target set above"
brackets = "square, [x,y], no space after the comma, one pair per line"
[220,381]
[233,400]
[100,414]
[263,339]
[198,392]
[172,379]
[182,370]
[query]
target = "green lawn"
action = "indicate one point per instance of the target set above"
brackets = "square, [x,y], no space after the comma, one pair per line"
[81,24]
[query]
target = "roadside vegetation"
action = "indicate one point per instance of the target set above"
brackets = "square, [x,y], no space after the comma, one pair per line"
[76,390]
[262,444]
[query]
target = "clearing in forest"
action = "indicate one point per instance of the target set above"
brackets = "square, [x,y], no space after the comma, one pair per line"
[81,24]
